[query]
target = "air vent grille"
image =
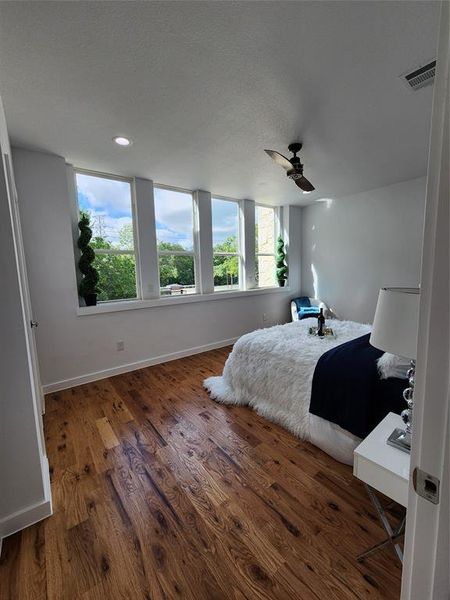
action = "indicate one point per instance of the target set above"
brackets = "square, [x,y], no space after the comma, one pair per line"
[420,77]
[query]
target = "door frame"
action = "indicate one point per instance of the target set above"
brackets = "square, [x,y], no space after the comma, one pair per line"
[426,564]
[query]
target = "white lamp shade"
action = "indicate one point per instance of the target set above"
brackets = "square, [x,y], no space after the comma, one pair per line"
[396,321]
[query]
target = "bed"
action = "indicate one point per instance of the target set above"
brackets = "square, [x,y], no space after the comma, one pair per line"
[274,371]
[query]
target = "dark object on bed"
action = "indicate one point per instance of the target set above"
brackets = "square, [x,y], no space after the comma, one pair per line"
[347,389]
[304,308]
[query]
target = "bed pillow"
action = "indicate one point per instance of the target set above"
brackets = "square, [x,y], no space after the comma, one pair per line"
[306,312]
[391,365]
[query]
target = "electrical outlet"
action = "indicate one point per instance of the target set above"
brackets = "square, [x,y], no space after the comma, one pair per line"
[120,346]
[264,317]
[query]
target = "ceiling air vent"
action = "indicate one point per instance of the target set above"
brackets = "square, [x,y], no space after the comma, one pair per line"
[420,77]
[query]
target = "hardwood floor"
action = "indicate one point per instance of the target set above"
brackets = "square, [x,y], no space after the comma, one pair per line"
[159,492]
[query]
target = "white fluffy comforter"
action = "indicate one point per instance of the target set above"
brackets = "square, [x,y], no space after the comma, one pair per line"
[271,370]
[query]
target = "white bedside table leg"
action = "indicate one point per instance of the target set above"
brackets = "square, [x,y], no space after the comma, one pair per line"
[394,535]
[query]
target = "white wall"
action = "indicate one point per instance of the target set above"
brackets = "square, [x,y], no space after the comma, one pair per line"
[71,347]
[353,246]
[24,486]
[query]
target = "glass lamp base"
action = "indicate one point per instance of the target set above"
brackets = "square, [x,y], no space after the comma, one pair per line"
[400,439]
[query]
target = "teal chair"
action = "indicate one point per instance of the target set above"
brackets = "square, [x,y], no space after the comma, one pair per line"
[307,308]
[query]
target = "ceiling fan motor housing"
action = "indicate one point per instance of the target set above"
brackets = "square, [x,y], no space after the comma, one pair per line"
[297,171]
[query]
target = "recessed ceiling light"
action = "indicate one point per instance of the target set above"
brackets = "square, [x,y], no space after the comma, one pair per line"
[122,141]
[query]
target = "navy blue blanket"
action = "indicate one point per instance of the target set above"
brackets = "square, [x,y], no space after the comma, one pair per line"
[348,391]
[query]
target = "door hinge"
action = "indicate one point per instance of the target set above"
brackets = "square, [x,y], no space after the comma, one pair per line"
[426,485]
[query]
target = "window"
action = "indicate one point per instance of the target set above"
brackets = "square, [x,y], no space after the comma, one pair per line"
[108,201]
[174,216]
[226,248]
[265,237]
[148,243]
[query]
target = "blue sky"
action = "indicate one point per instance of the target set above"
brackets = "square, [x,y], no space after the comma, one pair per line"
[174,217]
[109,203]
[225,220]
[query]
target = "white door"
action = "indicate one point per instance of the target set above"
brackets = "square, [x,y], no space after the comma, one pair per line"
[32,323]
[7,176]
[427,552]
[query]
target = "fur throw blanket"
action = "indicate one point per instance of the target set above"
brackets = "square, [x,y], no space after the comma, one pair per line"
[271,370]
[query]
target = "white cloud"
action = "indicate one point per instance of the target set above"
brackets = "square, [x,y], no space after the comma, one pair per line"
[225,220]
[174,217]
[110,195]
[174,210]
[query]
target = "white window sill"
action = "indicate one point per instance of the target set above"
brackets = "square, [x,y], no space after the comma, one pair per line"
[117,306]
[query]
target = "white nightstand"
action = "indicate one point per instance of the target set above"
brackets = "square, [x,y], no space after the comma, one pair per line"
[385,469]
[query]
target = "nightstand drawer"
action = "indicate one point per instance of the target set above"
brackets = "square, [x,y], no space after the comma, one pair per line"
[381,466]
[388,483]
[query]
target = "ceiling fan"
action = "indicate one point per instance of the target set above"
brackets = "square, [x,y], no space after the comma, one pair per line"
[293,167]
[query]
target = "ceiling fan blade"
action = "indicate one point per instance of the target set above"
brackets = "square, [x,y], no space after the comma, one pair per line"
[304,184]
[279,159]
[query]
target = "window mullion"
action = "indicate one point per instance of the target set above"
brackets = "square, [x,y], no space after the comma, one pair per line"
[203,241]
[146,239]
[247,243]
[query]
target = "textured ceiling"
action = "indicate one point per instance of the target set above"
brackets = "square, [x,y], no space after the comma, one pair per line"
[203,87]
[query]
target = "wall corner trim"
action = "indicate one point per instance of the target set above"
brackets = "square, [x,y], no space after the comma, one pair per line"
[30,514]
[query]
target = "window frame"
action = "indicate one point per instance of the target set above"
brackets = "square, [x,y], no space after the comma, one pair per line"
[276,234]
[134,218]
[195,252]
[239,254]
[146,249]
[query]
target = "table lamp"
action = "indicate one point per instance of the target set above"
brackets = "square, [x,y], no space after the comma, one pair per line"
[395,328]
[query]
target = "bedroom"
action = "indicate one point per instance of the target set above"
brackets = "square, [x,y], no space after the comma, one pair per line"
[153,118]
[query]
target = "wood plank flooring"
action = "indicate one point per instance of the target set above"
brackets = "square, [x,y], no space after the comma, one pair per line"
[161,493]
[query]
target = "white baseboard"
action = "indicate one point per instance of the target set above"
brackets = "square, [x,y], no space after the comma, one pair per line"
[141,364]
[30,514]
